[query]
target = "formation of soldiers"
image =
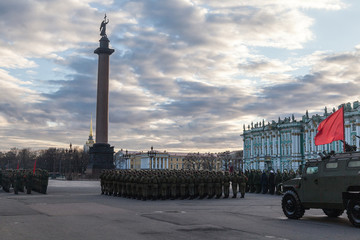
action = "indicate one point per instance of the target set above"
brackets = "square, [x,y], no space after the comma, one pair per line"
[172,184]
[22,179]
[267,181]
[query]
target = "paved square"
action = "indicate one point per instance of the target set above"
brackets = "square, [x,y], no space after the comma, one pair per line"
[77,210]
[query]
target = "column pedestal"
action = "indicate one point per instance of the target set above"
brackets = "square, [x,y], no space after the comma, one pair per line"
[101,157]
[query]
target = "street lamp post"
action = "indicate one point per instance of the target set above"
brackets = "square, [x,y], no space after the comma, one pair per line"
[151,155]
[126,156]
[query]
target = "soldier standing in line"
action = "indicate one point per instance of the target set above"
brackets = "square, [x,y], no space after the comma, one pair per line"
[196,174]
[144,187]
[28,181]
[155,187]
[271,182]
[113,184]
[102,181]
[247,189]
[226,185]
[22,180]
[278,180]
[172,180]
[257,181]
[17,180]
[187,181]
[191,180]
[218,185]
[6,182]
[164,186]
[234,182]
[251,181]
[210,185]
[242,183]
[201,184]
[264,182]
[182,186]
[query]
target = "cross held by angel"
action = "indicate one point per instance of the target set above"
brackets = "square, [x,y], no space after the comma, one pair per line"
[103,27]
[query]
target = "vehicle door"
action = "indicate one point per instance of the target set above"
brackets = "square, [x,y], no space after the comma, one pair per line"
[311,191]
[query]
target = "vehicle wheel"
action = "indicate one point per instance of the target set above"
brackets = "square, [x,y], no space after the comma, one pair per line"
[292,206]
[333,212]
[353,212]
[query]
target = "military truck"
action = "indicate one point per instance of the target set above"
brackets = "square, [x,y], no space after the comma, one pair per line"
[331,184]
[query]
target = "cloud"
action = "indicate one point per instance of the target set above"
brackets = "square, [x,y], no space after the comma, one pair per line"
[185,75]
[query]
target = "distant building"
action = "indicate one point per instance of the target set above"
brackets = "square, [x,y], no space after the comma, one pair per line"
[287,143]
[142,160]
[90,142]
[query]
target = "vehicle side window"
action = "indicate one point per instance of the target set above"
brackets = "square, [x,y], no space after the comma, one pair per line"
[312,170]
[332,165]
[354,164]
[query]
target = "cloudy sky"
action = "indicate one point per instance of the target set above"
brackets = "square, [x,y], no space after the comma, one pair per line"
[185,76]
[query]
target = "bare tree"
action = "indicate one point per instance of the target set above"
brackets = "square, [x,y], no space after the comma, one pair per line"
[225,158]
[238,161]
[209,161]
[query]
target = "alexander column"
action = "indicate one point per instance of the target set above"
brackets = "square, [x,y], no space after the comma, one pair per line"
[101,154]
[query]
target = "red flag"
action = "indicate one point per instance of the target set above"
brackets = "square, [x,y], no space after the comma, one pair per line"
[331,129]
[18,165]
[34,167]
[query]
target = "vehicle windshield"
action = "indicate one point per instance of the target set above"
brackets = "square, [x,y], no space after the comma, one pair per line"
[312,170]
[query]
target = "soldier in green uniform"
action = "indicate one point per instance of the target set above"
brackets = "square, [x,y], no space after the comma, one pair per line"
[172,180]
[17,183]
[6,182]
[139,186]
[251,181]
[226,180]
[182,181]
[191,180]
[242,183]
[234,182]
[102,181]
[155,187]
[217,185]
[247,189]
[201,185]
[278,180]
[257,181]
[145,187]
[210,185]
[28,181]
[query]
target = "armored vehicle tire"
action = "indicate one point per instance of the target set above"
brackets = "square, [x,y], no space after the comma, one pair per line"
[292,206]
[353,212]
[333,212]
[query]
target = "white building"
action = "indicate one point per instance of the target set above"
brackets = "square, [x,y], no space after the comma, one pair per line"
[287,143]
[142,160]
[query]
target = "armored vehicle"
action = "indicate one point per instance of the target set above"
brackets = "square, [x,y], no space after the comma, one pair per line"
[331,184]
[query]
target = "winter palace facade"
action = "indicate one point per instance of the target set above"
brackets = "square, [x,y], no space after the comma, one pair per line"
[287,143]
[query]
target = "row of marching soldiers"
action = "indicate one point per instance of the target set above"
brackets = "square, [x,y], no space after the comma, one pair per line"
[268,181]
[171,184]
[21,179]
